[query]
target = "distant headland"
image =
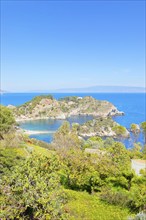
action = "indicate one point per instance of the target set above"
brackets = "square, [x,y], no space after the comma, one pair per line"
[2,91]
[106,89]
[91,89]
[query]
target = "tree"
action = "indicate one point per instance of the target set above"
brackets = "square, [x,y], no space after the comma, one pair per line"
[135,129]
[144,152]
[120,131]
[94,142]
[143,126]
[65,139]
[117,166]
[79,172]
[6,120]
[136,151]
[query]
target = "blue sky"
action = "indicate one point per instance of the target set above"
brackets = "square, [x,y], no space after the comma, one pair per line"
[67,44]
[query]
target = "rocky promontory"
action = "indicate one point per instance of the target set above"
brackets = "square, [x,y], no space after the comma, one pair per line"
[45,107]
[103,127]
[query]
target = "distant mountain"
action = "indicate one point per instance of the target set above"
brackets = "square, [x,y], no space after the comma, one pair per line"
[91,89]
[106,89]
[2,91]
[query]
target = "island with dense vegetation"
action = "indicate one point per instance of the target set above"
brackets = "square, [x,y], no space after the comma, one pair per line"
[48,107]
[70,178]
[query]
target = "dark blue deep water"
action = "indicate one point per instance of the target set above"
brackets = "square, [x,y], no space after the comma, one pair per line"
[133,105]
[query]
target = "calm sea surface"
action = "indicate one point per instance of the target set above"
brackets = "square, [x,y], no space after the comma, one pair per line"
[133,105]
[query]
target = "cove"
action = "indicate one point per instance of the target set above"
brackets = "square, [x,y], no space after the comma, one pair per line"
[50,125]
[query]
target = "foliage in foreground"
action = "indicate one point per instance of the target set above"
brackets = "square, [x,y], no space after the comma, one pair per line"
[6,120]
[33,191]
[107,172]
[32,178]
[83,206]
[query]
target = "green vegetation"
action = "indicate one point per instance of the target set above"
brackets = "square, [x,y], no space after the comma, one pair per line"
[94,142]
[37,99]
[120,130]
[46,106]
[9,157]
[108,171]
[83,206]
[6,120]
[135,128]
[65,181]
[103,127]
[143,126]
[29,106]
[32,190]
[69,99]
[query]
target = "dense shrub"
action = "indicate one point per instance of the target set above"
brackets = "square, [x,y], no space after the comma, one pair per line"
[6,120]
[115,197]
[9,158]
[33,191]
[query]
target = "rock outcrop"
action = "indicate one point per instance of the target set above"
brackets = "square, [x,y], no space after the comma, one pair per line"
[103,127]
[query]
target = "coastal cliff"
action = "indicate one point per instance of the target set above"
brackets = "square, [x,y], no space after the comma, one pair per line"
[43,107]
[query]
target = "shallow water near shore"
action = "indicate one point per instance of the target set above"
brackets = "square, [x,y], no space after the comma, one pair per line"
[133,105]
[50,125]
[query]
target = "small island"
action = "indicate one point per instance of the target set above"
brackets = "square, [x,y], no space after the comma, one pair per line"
[103,127]
[45,107]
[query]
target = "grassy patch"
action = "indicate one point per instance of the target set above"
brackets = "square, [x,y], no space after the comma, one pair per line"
[39,150]
[83,206]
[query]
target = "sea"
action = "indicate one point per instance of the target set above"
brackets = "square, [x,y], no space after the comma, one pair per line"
[132,104]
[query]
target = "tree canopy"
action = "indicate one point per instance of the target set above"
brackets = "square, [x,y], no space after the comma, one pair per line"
[6,120]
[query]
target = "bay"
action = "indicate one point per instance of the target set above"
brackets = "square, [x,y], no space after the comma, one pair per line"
[132,104]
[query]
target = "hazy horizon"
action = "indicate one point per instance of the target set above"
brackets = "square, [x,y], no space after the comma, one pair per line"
[94,89]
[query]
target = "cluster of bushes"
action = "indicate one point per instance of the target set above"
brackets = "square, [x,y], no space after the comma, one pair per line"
[32,190]
[32,186]
[109,169]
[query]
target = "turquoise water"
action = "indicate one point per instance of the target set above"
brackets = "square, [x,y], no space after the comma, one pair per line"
[133,105]
[50,125]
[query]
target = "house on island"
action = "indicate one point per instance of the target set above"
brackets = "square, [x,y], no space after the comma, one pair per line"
[137,165]
[79,98]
